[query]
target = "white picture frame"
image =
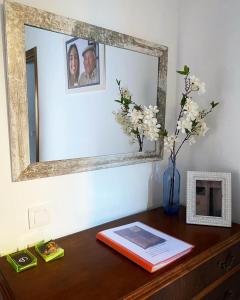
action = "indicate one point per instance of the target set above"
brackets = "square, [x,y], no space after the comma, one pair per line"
[209,198]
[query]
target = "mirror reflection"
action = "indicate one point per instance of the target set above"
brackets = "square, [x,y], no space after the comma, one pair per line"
[71,91]
[209,198]
[32,94]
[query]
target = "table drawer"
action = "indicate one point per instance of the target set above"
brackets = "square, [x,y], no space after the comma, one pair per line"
[202,276]
[228,290]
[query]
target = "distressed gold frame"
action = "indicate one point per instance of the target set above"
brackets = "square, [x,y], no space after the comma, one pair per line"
[16,16]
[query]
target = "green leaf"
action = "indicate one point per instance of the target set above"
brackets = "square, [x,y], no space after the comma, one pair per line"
[214,104]
[126,100]
[164,133]
[134,131]
[181,72]
[194,123]
[118,82]
[137,107]
[183,101]
[185,71]
[118,101]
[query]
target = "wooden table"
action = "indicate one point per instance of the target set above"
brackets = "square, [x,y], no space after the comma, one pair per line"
[91,270]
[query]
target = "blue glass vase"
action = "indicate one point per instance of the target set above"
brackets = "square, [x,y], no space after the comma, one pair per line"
[171,188]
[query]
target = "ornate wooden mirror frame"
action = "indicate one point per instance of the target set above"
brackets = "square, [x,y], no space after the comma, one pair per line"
[16,16]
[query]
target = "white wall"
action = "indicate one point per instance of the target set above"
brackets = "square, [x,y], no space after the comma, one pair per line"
[209,42]
[83,200]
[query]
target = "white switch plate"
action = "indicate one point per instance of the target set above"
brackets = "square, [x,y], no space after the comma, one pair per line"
[38,216]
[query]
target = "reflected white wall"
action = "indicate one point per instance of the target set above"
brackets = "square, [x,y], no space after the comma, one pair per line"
[73,123]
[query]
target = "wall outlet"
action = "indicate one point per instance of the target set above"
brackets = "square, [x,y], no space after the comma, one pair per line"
[38,216]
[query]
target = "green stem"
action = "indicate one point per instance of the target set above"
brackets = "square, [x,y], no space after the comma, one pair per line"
[184,140]
[140,142]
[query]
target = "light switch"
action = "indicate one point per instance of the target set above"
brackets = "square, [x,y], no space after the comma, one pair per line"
[38,216]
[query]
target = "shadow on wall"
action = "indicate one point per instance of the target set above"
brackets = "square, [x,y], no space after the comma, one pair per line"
[155,185]
[235,192]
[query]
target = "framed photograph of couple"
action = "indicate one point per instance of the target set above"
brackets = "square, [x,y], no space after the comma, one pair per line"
[85,65]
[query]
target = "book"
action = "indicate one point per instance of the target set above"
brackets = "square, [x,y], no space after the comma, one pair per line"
[22,260]
[149,248]
[49,250]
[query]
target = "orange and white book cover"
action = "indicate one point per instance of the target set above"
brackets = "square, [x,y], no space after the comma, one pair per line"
[146,246]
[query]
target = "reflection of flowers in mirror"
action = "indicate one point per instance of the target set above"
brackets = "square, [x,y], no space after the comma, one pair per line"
[137,121]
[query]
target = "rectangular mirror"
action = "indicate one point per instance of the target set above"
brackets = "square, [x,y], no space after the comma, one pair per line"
[61,90]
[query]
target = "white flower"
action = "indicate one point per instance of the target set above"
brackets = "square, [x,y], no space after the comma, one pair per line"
[151,128]
[125,93]
[154,109]
[135,115]
[119,117]
[197,85]
[202,88]
[150,112]
[124,121]
[169,141]
[184,124]
[145,122]
[202,128]
[142,120]
[191,109]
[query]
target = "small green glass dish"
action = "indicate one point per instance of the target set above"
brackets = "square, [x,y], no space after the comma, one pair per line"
[49,250]
[22,260]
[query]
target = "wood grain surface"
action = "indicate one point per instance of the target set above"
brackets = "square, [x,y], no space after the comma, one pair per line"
[91,270]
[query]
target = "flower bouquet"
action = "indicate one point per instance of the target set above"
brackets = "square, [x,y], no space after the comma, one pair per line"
[137,121]
[190,124]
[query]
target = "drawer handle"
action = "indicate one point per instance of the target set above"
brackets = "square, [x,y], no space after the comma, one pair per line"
[227,264]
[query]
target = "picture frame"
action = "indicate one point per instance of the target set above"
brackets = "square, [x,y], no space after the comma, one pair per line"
[209,198]
[84,65]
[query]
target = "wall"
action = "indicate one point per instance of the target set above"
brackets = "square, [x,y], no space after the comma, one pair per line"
[83,200]
[209,42]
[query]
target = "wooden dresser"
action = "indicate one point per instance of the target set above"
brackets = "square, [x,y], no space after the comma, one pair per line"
[90,270]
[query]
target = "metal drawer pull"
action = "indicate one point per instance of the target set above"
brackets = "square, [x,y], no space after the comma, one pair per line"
[227,264]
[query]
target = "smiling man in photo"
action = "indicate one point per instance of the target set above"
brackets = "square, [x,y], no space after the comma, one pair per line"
[90,75]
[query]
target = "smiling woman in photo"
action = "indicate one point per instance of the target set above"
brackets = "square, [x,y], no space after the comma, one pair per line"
[73,66]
